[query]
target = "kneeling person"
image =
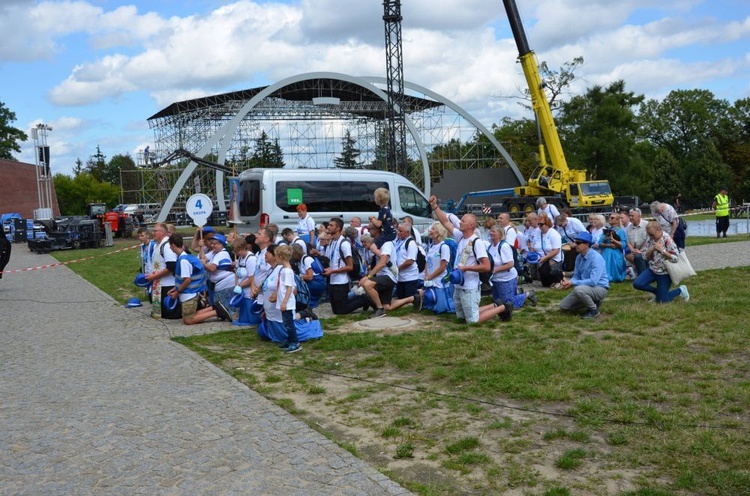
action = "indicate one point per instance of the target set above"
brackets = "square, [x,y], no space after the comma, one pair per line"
[589,282]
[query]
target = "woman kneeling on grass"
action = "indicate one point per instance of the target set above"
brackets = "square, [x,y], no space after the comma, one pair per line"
[659,250]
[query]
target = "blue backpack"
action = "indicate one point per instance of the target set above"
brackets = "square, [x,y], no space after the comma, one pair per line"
[454,249]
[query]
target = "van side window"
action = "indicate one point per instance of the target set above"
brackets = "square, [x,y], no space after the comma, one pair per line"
[359,196]
[413,203]
[330,196]
[250,197]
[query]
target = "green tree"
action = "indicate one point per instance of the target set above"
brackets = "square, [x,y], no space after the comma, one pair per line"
[75,193]
[521,139]
[120,172]
[666,169]
[78,167]
[267,153]
[115,165]
[733,142]
[9,135]
[599,130]
[96,165]
[349,153]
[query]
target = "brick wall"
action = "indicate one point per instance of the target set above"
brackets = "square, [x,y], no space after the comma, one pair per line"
[18,189]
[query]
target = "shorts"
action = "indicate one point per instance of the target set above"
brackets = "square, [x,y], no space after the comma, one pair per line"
[404,289]
[190,308]
[384,286]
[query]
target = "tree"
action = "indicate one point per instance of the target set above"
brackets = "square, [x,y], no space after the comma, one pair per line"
[75,193]
[9,135]
[78,167]
[520,138]
[117,173]
[599,130]
[666,169]
[266,153]
[555,82]
[733,142]
[96,165]
[349,153]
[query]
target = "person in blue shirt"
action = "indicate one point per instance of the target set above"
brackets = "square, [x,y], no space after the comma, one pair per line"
[589,282]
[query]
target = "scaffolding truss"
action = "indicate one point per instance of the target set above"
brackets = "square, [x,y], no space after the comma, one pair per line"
[308,119]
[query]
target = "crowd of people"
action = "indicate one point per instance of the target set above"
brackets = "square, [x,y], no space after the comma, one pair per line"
[277,280]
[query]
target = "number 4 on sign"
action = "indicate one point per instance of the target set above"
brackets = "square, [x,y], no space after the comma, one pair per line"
[199,204]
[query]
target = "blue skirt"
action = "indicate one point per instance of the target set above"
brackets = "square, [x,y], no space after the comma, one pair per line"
[443,300]
[245,316]
[317,289]
[276,332]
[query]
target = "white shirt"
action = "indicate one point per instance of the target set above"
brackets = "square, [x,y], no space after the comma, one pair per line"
[501,255]
[222,278]
[305,225]
[550,210]
[261,273]
[511,235]
[246,269]
[388,249]
[269,287]
[404,253]
[545,243]
[569,231]
[161,262]
[437,252]
[335,250]
[465,256]
[286,285]
[532,235]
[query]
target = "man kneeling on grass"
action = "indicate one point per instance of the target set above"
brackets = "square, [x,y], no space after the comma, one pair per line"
[190,282]
[589,282]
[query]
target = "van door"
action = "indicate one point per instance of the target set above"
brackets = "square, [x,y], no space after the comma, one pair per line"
[250,200]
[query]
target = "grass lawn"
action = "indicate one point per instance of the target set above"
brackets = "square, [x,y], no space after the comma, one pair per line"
[646,400]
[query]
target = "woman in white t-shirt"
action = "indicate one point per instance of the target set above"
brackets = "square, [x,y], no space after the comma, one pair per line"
[220,270]
[305,225]
[246,261]
[505,276]
[549,247]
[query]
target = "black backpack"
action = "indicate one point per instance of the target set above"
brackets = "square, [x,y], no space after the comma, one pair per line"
[484,277]
[357,266]
[421,259]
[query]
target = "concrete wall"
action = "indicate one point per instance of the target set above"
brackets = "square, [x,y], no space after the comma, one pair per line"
[18,189]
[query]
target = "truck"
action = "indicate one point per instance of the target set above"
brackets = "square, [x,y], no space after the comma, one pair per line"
[553,180]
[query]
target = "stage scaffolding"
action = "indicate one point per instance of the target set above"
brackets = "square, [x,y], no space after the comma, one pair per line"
[308,119]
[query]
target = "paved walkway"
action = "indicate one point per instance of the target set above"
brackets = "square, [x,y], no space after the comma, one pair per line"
[95,399]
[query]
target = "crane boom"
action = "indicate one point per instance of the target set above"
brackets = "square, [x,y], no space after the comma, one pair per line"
[557,178]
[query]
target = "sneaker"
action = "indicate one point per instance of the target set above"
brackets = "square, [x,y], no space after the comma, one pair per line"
[293,348]
[684,292]
[417,302]
[591,314]
[379,312]
[533,300]
[221,311]
[508,312]
[284,345]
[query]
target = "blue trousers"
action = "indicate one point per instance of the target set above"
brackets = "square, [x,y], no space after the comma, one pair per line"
[644,282]
[503,291]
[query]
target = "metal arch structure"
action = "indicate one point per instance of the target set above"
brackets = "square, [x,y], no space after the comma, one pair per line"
[212,125]
[481,127]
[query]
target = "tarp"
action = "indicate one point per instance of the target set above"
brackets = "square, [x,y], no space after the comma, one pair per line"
[9,216]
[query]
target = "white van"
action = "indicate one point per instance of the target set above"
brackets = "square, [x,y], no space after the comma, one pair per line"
[272,195]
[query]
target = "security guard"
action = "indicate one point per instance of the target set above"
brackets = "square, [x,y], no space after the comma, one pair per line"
[721,205]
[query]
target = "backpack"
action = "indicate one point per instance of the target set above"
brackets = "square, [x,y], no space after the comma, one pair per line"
[454,250]
[358,268]
[484,277]
[518,261]
[302,293]
[421,258]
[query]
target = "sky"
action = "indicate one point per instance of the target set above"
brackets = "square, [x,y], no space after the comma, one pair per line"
[96,70]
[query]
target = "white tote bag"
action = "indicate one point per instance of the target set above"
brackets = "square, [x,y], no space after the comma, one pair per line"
[679,269]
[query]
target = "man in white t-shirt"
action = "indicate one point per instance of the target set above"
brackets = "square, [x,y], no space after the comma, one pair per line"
[339,253]
[380,279]
[471,259]
[511,235]
[162,277]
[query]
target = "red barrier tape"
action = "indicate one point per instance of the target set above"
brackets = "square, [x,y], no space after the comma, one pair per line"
[69,261]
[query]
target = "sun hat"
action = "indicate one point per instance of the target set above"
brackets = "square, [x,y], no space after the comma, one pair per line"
[457,277]
[584,237]
[169,302]
[208,229]
[141,281]
[220,238]
[133,302]
[532,257]
[429,297]
[236,300]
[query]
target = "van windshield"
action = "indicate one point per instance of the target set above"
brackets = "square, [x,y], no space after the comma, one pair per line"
[250,197]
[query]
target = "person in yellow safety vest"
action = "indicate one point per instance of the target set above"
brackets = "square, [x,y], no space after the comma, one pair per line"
[721,205]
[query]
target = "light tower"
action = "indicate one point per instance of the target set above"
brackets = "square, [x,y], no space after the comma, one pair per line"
[394,64]
[43,172]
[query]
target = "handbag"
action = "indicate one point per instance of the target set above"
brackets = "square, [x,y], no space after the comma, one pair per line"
[680,268]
